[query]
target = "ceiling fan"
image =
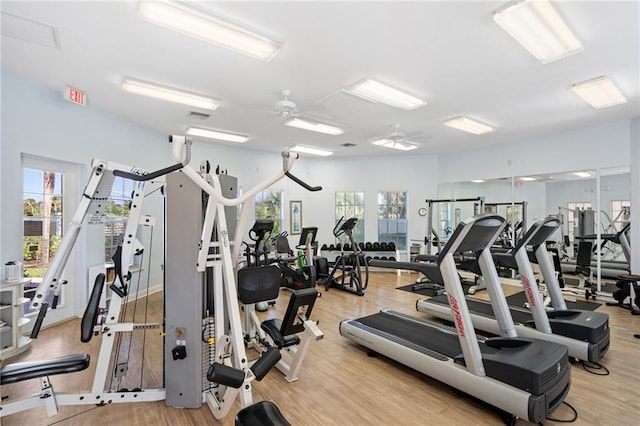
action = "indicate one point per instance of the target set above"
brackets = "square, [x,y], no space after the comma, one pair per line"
[308,120]
[396,140]
[285,107]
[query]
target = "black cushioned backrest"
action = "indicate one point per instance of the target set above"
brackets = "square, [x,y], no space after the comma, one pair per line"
[90,316]
[258,284]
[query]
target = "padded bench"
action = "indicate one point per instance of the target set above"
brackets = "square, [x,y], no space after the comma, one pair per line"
[20,371]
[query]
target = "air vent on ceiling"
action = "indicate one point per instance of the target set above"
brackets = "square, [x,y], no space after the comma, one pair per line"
[198,115]
[28,30]
[348,145]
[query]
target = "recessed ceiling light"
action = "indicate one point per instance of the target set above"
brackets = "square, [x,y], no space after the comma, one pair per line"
[527,179]
[203,26]
[582,174]
[477,180]
[388,143]
[375,91]
[314,126]
[599,92]
[313,151]
[537,26]
[468,125]
[170,94]
[217,134]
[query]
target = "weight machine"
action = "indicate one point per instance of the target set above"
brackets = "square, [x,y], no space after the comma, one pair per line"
[258,284]
[432,237]
[99,321]
[516,223]
[204,326]
[191,378]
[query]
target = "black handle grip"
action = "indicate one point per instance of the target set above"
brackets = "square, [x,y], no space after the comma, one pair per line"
[148,176]
[303,184]
[38,323]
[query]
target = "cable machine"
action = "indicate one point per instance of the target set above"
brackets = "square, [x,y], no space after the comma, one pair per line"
[432,237]
[204,356]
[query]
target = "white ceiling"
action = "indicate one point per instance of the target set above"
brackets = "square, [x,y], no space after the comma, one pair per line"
[450,53]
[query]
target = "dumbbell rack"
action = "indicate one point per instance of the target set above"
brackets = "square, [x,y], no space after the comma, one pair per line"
[370,251]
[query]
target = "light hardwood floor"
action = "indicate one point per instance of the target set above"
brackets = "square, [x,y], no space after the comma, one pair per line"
[339,384]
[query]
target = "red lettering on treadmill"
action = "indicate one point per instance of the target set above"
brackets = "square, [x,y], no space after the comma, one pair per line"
[456,314]
[527,288]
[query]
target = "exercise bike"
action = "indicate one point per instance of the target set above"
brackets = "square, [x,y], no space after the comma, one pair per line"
[350,271]
[304,274]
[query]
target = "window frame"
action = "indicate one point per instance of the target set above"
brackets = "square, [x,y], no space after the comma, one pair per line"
[347,204]
[393,212]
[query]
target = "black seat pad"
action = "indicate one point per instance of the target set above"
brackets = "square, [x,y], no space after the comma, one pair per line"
[263,413]
[20,371]
[272,327]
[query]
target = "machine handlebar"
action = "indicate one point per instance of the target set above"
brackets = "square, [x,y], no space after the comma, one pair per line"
[302,183]
[165,171]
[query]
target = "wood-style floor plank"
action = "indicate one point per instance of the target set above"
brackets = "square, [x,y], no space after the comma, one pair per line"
[339,384]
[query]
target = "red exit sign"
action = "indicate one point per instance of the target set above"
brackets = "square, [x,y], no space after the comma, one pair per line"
[76,96]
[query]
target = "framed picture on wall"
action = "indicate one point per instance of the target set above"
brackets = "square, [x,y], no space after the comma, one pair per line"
[295,217]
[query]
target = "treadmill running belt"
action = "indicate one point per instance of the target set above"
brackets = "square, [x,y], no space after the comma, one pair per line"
[481,307]
[415,333]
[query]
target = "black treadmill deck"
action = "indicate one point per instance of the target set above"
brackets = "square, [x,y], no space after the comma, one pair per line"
[587,326]
[532,365]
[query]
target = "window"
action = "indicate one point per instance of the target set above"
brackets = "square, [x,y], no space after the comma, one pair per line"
[42,224]
[573,207]
[621,212]
[392,218]
[269,206]
[116,212]
[351,204]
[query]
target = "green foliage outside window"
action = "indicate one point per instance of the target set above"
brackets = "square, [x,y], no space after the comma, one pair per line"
[268,205]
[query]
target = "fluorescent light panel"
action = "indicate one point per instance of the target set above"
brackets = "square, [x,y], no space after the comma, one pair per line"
[527,179]
[314,127]
[536,25]
[582,174]
[468,125]
[388,143]
[600,92]
[217,134]
[313,151]
[375,91]
[477,181]
[168,94]
[203,26]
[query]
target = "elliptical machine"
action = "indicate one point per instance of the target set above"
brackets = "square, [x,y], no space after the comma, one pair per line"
[350,271]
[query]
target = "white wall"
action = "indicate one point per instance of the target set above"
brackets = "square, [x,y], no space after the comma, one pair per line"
[415,174]
[39,123]
[588,148]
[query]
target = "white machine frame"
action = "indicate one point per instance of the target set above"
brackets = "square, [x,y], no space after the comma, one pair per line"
[292,356]
[93,197]
[229,345]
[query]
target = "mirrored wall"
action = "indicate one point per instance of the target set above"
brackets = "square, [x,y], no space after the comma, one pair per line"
[593,205]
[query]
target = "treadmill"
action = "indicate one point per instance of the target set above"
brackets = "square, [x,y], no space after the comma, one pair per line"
[527,378]
[585,333]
